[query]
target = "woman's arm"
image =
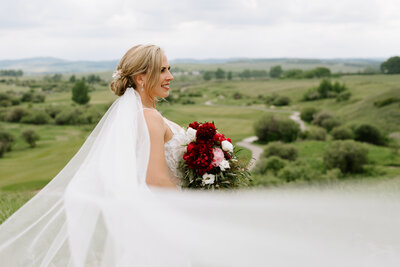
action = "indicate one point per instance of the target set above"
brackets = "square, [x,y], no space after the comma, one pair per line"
[157,168]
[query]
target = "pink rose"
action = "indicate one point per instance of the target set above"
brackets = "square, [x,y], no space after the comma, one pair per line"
[218,157]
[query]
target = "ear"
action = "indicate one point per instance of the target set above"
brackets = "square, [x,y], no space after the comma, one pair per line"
[140,79]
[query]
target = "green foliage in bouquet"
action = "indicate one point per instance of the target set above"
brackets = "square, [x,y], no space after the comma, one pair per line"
[238,176]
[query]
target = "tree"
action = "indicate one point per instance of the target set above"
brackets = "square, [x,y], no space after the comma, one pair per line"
[72,79]
[56,77]
[30,136]
[207,75]
[275,71]
[220,74]
[93,78]
[245,74]
[230,75]
[391,66]
[80,92]
[322,72]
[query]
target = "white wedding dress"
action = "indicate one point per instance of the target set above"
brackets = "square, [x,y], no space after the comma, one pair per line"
[99,211]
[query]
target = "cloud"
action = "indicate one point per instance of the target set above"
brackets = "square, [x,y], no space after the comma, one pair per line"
[88,29]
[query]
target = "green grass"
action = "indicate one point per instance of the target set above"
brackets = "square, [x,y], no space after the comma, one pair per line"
[11,201]
[25,170]
[33,167]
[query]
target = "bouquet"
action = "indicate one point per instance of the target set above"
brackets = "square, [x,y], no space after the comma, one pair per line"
[210,160]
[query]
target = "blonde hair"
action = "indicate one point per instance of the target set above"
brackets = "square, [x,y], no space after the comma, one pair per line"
[140,59]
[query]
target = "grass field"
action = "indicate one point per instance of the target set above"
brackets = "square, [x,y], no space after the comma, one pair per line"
[24,170]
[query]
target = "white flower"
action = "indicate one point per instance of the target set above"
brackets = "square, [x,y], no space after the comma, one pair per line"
[227,146]
[208,178]
[117,74]
[191,134]
[224,165]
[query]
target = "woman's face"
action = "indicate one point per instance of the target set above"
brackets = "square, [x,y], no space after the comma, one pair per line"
[162,88]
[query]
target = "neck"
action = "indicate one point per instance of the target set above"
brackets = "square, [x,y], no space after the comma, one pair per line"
[147,102]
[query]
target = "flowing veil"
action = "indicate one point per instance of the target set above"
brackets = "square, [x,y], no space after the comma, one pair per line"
[98,211]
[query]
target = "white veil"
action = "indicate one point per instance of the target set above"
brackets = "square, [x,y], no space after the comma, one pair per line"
[98,211]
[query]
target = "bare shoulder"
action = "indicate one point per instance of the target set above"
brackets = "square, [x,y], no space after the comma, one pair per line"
[154,120]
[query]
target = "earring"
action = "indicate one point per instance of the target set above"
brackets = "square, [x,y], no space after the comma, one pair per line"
[141,88]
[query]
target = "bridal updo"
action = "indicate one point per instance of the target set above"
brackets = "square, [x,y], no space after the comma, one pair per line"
[140,59]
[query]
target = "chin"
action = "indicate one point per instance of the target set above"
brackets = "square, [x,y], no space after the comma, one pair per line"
[165,94]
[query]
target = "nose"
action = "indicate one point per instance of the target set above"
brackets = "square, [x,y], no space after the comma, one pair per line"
[170,77]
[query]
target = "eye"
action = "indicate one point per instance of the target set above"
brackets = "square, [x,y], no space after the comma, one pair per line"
[164,68]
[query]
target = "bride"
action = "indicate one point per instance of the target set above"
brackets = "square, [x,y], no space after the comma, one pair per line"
[116,202]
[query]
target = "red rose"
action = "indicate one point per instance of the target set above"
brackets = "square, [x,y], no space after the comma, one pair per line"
[190,147]
[218,137]
[199,157]
[194,125]
[206,131]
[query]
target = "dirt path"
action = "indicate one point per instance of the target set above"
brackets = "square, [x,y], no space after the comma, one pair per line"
[255,150]
[248,141]
[296,117]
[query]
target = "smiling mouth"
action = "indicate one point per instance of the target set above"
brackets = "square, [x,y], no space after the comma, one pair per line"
[166,86]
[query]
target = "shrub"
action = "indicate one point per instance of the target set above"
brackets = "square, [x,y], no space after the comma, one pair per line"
[15,114]
[325,119]
[370,134]
[318,134]
[299,171]
[237,96]
[53,110]
[272,128]
[311,94]
[343,96]
[6,141]
[15,101]
[293,73]
[324,87]
[291,173]
[332,175]
[308,113]
[30,136]
[271,98]
[279,149]
[5,103]
[38,98]
[349,156]
[91,115]
[386,101]
[27,97]
[328,90]
[68,117]
[330,123]
[187,101]
[320,116]
[342,133]
[36,117]
[282,101]
[273,164]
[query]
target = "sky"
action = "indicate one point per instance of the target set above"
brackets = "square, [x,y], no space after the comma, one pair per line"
[200,29]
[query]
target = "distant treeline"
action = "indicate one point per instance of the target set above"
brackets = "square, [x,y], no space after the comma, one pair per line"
[13,73]
[274,72]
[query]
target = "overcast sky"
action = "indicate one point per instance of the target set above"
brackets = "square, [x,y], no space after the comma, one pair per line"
[105,29]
